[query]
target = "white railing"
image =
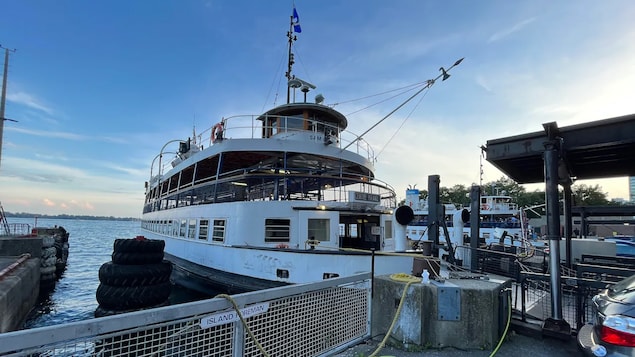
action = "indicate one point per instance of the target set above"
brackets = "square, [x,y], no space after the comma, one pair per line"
[247,126]
[316,319]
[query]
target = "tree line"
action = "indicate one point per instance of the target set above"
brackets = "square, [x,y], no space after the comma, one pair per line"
[583,195]
[68,216]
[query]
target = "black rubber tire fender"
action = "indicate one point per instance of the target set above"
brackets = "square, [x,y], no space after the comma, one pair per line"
[135,245]
[48,252]
[125,258]
[132,297]
[48,241]
[100,311]
[135,275]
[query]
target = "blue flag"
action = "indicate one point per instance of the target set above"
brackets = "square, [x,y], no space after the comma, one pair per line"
[296,22]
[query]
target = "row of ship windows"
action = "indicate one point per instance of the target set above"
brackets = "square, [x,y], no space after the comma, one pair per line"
[187,228]
[276,229]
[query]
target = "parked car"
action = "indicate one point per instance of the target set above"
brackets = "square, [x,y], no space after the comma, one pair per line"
[613,333]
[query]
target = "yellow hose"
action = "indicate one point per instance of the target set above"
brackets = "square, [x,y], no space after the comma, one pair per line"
[509,319]
[240,315]
[408,279]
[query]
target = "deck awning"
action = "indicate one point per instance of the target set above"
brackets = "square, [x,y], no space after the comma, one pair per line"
[598,149]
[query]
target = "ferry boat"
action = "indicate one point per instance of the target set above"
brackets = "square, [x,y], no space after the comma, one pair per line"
[287,196]
[501,220]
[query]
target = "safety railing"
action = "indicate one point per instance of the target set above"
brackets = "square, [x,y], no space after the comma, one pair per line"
[528,268]
[578,286]
[16,229]
[316,319]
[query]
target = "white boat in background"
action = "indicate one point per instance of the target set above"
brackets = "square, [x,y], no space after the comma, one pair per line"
[501,220]
[286,196]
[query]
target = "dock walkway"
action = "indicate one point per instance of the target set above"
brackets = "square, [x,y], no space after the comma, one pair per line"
[515,345]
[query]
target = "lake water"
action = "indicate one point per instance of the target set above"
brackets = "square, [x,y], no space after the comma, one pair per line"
[90,246]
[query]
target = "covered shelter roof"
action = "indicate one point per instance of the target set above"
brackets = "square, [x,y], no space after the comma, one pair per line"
[597,149]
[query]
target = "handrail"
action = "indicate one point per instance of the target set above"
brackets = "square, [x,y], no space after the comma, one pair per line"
[14,265]
[235,125]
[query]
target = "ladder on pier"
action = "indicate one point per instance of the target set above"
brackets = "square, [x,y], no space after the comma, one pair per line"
[3,218]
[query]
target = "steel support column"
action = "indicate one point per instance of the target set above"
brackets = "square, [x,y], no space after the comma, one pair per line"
[475,213]
[568,221]
[433,209]
[555,324]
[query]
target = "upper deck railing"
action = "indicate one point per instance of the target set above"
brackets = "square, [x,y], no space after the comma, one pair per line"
[286,128]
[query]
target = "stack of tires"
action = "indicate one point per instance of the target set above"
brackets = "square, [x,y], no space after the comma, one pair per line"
[136,278]
[47,264]
[61,247]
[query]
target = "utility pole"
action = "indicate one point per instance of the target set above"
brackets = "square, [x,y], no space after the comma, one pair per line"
[4,96]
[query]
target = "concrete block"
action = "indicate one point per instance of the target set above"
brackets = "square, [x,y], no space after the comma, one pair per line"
[12,246]
[19,292]
[420,326]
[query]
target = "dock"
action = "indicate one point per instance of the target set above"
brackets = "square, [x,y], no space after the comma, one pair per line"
[31,261]
[335,317]
[19,279]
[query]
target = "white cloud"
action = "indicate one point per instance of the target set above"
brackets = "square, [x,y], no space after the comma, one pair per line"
[484,83]
[507,32]
[29,101]
[49,134]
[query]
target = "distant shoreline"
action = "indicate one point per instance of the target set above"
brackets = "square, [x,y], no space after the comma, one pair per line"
[68,216]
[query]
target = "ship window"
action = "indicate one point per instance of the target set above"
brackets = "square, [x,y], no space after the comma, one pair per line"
[348,230]
[183,228]
[191,229]
[294,123]
[277,230]
[218,233]
[202,229]
[168,227]
[388,230]
[319,229]
[175,228]
[352,228]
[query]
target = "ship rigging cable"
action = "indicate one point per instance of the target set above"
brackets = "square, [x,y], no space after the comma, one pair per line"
[430,82]
[404,91]
[401,125]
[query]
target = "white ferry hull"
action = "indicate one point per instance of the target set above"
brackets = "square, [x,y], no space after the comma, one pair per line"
[241,263]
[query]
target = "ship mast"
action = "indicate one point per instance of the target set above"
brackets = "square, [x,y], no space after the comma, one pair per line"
[290,62]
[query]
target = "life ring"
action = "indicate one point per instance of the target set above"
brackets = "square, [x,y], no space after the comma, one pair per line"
[217,132]
[484,207]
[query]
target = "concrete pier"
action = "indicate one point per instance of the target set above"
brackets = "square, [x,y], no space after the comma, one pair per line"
[18,292]
[459,313]
[20,282]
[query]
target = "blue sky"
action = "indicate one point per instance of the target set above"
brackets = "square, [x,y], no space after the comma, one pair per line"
[98,87]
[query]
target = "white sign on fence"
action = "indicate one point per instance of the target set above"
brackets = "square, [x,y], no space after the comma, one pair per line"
[222,318]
